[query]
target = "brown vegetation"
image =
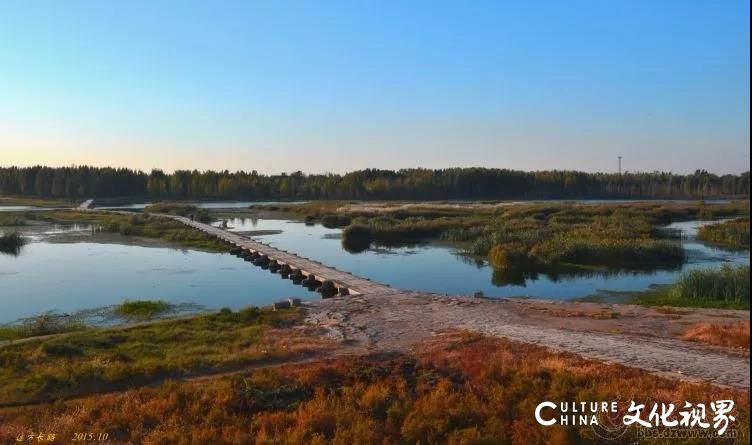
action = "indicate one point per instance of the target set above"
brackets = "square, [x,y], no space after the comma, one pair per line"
[464,389]
[722,334]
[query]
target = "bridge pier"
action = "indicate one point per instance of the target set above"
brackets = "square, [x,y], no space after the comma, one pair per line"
[274,266]
[327,289]
[299,269]
[297,276]
[285,270]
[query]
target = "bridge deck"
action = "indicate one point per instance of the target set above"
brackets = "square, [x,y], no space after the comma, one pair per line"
[354,283]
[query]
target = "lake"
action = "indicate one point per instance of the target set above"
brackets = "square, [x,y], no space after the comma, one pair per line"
[67,268]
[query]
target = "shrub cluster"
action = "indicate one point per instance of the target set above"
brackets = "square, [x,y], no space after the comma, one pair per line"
[11,242]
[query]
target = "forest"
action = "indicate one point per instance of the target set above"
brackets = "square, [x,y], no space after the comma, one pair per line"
[78,182]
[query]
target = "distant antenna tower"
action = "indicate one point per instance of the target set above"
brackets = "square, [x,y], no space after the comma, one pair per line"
[619,164]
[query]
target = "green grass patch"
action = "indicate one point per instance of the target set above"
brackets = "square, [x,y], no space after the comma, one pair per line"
[141,309]
[98,359]
[725,287]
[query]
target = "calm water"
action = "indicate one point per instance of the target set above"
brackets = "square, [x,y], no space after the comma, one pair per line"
[71,268]
[437,267]
[67,268]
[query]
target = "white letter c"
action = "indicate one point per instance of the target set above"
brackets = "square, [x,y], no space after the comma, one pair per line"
[538,410]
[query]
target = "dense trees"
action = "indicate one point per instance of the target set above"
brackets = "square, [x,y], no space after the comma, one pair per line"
[452,183]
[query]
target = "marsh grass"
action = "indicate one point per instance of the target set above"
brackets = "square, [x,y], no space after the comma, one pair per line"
[137,224]
[141,309]
[170,207]
[43,324]
[733,234]
[727,283]
[112,358]
[543,235]
[723,287]
[334,221]
[315,209]
[168,230]
[180,209]
[36,202]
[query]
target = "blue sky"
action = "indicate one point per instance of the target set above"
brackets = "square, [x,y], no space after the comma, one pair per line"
[341,85]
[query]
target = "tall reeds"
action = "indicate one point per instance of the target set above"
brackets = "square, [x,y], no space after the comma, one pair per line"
[728,284]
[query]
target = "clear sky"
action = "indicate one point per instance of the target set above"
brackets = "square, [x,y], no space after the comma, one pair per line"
[331,86]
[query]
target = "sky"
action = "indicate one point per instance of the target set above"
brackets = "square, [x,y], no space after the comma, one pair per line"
[333,86]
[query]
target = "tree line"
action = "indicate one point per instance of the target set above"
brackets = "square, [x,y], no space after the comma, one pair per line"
[417,183]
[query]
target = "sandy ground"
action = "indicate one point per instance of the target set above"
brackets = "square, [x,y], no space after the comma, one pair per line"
[634,336]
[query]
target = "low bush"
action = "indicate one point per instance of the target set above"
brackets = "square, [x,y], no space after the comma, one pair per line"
[334,221]
[11,242]
[356,238]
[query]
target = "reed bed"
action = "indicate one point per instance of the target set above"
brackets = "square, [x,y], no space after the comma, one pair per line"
[727,283]
[732,234]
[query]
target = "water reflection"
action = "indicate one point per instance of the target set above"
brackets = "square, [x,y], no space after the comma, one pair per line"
[68,268]
[71,267]
[438,267]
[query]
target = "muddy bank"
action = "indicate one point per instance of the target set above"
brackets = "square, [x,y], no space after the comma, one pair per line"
[645,338]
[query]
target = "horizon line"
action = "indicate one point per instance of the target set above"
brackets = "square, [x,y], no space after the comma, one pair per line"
[396,170]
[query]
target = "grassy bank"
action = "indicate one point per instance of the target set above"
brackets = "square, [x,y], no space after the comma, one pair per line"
[467,390]
[539,236]
[724,287]
[732,234]
[36,202]
[129,311]
[137,224]
[179,209]
[101,359]
[44,324]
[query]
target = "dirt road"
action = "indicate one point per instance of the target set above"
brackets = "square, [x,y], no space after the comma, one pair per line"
[399,321]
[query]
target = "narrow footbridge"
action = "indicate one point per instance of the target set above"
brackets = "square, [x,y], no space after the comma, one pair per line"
[345,282]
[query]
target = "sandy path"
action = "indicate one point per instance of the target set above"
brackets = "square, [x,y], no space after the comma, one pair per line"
[399,321]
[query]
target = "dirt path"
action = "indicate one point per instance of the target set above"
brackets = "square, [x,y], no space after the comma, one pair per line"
[399,321]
